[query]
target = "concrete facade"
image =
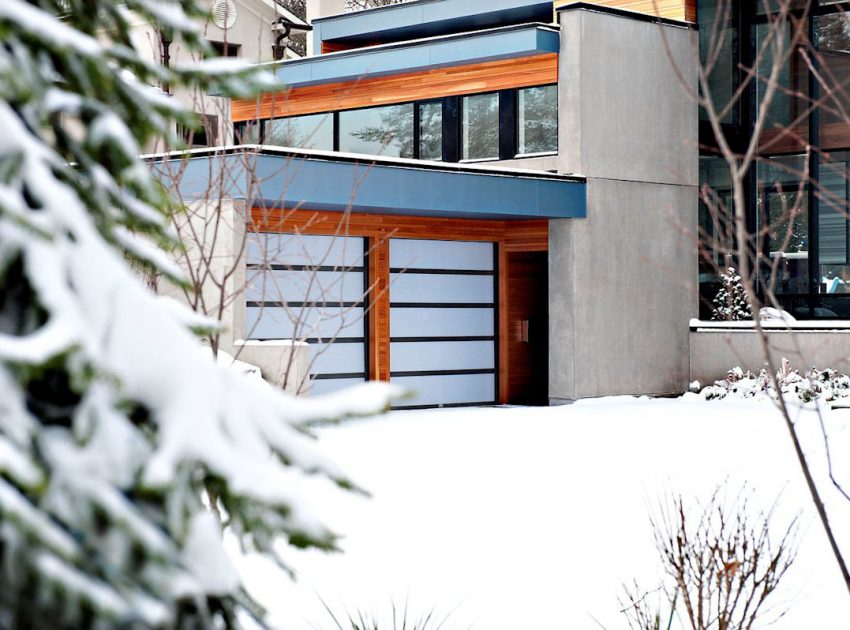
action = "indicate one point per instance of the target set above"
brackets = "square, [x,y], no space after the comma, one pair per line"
[622,282]
[714,351]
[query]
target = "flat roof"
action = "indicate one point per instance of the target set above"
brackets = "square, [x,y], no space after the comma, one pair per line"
[275,177]
[434,52]
[426,18]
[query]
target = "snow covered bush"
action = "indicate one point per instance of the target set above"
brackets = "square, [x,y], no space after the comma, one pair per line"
[825,384]
[115,423]
[730,303]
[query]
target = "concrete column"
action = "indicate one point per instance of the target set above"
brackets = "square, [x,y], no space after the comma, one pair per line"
[319,9]
[623,281]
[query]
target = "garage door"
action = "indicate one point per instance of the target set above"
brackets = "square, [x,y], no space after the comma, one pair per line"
[443,321]
[311,288]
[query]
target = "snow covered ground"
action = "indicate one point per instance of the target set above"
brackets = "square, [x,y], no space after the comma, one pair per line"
[517,518]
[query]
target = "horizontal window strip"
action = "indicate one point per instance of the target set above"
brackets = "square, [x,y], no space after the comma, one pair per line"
[277,267]
[341,376]
[441,373]
[315,304]
[439,339]
[442,272]
[482,305]
[488,403]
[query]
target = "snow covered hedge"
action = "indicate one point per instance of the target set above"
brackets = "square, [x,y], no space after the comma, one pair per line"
[115,423]
[825,384]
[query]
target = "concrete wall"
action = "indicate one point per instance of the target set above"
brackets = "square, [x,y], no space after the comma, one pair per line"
[714,352]
[213,234]
[622,283]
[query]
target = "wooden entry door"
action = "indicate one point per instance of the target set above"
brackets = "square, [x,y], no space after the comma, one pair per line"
[528,328]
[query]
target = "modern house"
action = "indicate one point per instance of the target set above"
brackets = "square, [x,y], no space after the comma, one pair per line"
[499,201]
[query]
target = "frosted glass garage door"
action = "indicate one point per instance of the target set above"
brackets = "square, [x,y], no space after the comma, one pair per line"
[443,321]
[311,288]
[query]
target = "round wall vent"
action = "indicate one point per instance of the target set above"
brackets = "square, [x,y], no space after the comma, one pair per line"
[224,13]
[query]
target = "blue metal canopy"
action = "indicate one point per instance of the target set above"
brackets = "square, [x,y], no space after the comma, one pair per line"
[453,50]
[426,18]
[318,180]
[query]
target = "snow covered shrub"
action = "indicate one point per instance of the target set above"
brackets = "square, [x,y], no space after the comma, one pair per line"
[115,423]
[825,384]
[730,303]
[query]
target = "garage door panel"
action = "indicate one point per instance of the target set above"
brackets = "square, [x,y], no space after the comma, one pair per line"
[338,358]
[289,285]
[443,321]
[438,390]
[293,250]
[311,288]
[441,288]
[442,356]
[425,254]
[304,322]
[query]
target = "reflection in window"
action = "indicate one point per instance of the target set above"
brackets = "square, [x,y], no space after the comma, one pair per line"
[783,223]
[786,122]
[833,232]
[716,228]
[385,131]
[303,132]
[719,46]
[431,131]
[480,127]
[538,120]
[247,133]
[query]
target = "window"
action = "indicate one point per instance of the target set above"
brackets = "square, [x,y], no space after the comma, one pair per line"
[384,131]
[431,131]
[205,134]
[538,120]
[304,132]
[226,49]
[247,133]
[480,130]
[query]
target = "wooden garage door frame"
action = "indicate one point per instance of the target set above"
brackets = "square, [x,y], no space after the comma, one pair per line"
[509,236]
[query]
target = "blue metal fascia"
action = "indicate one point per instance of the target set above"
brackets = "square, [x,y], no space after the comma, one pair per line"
[427,18]
[322,184]
[418,56]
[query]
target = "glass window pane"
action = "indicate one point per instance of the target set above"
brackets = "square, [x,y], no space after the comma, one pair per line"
[786,123]
[426,254]
[302,132]
[441,322]
[385,131]
[247,133]
[441,288]
[833,224]
[480,127]
[448,390]
[431,131]
[783,223]
[719,45]
[538,120]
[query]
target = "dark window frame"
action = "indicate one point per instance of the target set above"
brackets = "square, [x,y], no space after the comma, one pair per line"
[452,118]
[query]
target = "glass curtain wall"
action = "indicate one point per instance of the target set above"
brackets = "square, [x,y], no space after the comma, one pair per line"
[798,191]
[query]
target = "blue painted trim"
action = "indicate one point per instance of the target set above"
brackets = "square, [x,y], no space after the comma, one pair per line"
[453,50]
[326,182]
[427,18]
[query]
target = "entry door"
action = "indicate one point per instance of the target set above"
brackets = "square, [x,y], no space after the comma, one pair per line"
[443,321]
[528,328]
[311,288]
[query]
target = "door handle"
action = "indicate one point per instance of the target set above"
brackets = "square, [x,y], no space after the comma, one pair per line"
[524,326]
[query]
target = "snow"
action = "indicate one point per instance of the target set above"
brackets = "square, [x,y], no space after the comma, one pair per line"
[514,518]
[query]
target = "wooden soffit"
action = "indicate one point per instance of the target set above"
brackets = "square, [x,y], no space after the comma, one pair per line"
[401,88]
